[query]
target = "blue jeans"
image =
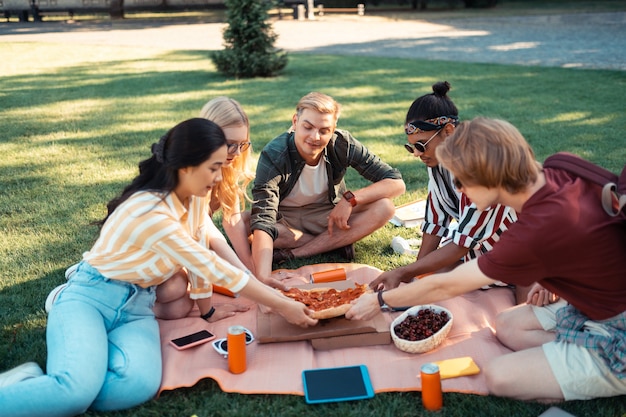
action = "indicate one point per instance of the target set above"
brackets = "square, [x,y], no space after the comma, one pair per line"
[104,351]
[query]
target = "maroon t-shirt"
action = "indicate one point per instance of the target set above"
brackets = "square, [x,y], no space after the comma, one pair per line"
[564,240]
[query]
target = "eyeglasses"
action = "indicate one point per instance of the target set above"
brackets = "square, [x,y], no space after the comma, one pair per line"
[221,345]
[419,146]
[243,146]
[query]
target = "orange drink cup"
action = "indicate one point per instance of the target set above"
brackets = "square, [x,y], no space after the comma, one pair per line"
[331,275]
[432,398]
[236,341]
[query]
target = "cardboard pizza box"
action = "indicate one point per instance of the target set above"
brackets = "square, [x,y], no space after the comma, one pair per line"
[327,334]
[381,336]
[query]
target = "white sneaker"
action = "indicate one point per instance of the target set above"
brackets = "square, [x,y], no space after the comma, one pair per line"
[53,296]
[24,371]
[403,246]
[70,271]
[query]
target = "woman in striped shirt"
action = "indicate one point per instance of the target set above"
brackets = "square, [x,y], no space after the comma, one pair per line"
[103,339]
[229,195]
[429,121]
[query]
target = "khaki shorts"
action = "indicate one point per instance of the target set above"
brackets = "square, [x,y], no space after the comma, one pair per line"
[312,219]
[580,372]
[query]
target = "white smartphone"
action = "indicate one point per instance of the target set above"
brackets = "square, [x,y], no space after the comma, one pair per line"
[192,340]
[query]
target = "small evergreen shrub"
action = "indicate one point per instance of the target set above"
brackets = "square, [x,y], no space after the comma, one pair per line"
[249,42]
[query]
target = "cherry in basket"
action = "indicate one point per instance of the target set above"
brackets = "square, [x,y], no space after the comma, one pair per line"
[426,323]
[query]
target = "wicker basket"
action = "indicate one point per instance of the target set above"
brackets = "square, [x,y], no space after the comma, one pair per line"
[424,345]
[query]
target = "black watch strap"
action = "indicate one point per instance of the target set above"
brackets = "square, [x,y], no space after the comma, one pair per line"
[209,314]
[381,302]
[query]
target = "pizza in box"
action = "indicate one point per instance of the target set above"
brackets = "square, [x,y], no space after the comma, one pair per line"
[327,302]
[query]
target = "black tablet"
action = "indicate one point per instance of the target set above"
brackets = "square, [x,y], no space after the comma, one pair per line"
[337,384]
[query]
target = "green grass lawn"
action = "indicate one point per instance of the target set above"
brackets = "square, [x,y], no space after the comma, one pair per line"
[76,121]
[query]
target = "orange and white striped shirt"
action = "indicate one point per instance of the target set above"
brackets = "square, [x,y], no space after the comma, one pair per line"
[150,236]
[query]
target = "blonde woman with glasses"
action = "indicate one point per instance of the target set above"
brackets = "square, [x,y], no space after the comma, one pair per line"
[237,172]
[229,195]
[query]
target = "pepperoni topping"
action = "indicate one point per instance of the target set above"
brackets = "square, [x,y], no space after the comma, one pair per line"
[321,300]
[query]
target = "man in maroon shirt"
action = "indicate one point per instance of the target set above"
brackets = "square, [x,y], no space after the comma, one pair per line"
[564,241]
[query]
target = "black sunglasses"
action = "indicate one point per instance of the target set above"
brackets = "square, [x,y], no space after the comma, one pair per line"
[419,146]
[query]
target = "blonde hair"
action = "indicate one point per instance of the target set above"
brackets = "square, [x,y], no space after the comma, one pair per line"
[319,102]
[490,153]
[226,112]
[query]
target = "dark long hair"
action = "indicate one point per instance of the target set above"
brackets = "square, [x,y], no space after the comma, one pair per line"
[433,105]
[187,144]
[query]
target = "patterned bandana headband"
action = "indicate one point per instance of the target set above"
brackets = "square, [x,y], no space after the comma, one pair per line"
[437,123]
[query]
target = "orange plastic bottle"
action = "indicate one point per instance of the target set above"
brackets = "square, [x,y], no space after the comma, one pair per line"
[432,397]
[338,274]
[236,341]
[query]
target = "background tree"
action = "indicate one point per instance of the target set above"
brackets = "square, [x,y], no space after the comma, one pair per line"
[249,42]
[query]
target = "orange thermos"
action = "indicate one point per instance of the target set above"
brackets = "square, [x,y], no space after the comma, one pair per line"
[236,342]
[432,398]
[338,274]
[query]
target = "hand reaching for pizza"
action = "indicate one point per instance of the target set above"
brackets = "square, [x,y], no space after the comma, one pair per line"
[283,275]
[274,282]
[364,308]
[389,280]
[296,313]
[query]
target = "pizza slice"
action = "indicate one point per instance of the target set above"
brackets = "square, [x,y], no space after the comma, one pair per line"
[327,302]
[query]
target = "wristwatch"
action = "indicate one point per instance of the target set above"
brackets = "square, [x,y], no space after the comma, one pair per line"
[381,302]
[350,197]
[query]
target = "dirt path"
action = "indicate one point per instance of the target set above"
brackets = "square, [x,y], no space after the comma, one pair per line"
[584,40]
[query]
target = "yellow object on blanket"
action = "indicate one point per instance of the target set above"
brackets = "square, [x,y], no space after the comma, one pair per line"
[451,368]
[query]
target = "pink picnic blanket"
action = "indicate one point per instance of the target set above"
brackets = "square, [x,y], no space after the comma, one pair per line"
[276,368]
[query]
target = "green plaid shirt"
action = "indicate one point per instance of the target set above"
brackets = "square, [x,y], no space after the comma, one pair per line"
[612,348]
[280,166]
